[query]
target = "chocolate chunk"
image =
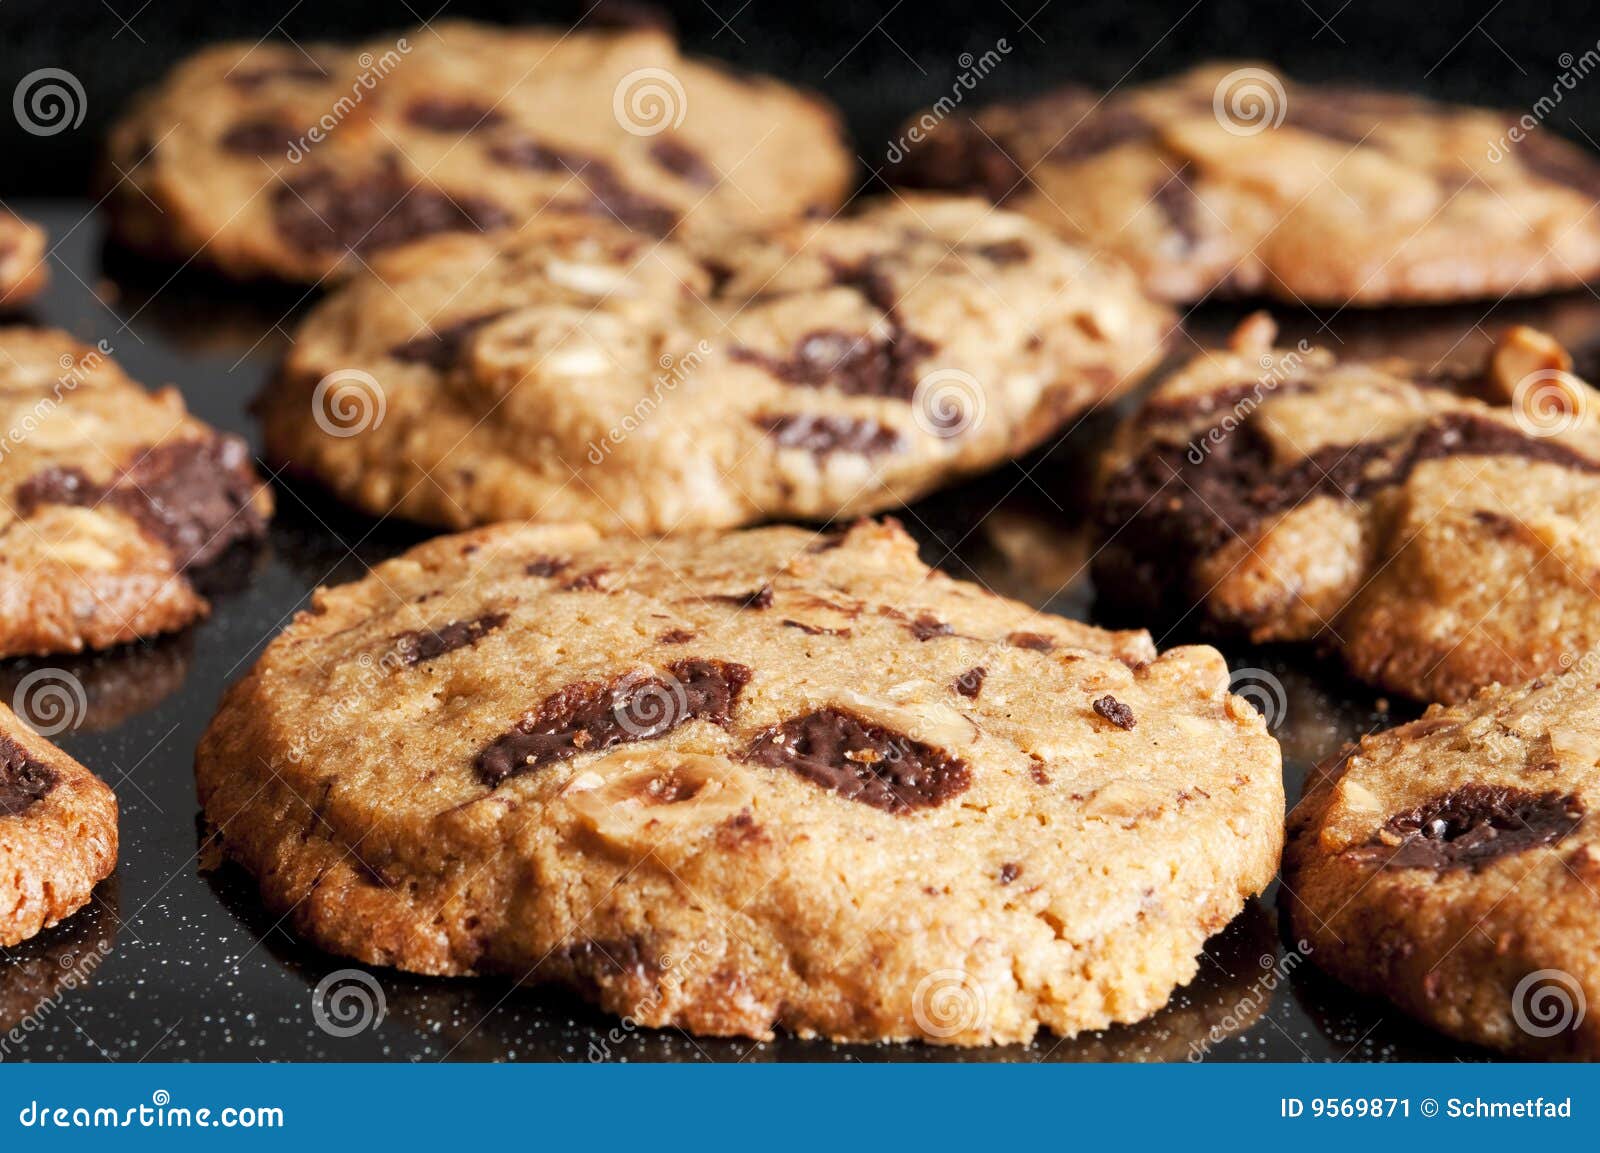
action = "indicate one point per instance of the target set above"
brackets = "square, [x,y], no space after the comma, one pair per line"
[1164,504]
[1115,711]
[452,114]
[857,365]
[760,598]
[609,196]
[862,761]
[1109,125]
[681,160]
[591,580]
[1009,872]
[441,349]
[592,715]
[1473,825]
[331,211]
[675,637]
[421,645]
[961,157]
[527,153]
[23,780]
[970,683]
[260,137]
[926,626]
[815,630]
[1180,204]
[1003,252]
[821,435]
[546,566]
[1038,642]
[196,497]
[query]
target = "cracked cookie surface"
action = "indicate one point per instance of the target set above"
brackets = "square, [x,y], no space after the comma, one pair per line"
[267,161]
[1230,179]
[58,832]
[1451,865]
[583,373]
[109,496]
[1436,527]
[746,781]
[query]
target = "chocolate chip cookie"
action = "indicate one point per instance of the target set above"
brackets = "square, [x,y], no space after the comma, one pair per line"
[109,497]
[1231,179]
[58,832]
[1452,864]
[290,162]
[23,272]
[745,781]
[1436,527]
[581,372]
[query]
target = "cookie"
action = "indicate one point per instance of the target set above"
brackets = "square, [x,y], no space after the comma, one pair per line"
[1450,865]
[288,162]
[584,373]
[745,781]
[1437,528]
[23,271]
[58,832]
[1232,180]
[109,497]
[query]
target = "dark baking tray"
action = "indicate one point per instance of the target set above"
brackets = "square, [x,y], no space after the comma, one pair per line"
[191,967]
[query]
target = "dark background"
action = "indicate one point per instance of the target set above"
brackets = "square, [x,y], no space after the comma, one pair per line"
[878,59]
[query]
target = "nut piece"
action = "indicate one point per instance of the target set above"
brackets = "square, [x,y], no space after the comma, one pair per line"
[641,801]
